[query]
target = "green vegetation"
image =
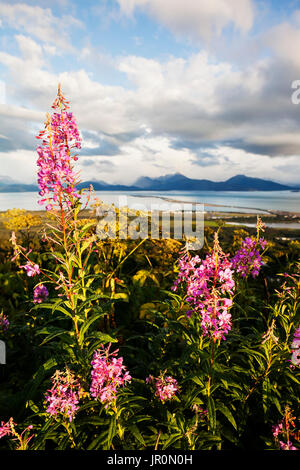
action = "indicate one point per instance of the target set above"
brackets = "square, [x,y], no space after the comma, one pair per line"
[130,303]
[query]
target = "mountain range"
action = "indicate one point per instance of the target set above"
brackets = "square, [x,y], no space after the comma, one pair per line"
[175,181]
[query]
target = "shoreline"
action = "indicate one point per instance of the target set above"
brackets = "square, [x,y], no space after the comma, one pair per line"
[260,211]
[231,210]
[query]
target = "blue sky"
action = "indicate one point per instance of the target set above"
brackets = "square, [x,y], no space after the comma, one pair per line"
[157,86]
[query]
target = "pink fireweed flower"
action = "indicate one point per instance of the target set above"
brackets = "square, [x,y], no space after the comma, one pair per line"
[63,398]
[277,429]
[40,294]
[6,428]
[287,445]
[31,269]
[208,283]
[108,375]
[284,430]
[165,386]
[56,176]
[4,323]
[248,259]
[296,347]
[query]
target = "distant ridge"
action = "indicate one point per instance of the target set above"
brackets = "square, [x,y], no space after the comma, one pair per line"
[181,182]
[173,182]
[17,187]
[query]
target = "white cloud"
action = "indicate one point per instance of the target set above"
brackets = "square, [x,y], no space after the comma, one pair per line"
[187,98]
[196,18]
[39,22]
[175,110]
[31,51]
[18,112]
[284,41]
[144,155]
[155,156]
[2,92]
[24,161]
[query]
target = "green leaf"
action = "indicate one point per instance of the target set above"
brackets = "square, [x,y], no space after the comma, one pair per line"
[111,432]
[227,413]
[197,381]
[211,413]
[172,439]
[55,335]
[136,433]
[87,325]
[91,299]
[121,296]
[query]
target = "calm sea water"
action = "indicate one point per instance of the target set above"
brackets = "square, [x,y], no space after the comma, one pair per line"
[232,200]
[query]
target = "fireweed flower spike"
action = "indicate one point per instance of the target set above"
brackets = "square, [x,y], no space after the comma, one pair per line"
[296,348]
[63,398]
[284,430]
[108,375]
[8,429]
[40,294]
[5,428]
[56,176]
[248,259]
[208,284]
[4,323]
[165,386]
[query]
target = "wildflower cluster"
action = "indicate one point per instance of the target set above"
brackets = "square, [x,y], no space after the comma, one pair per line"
[208,282]
[284,430]
[4,322]
[63,398]
[5,428]
[296,347]
[165,386]
[8,429]
[108,375]
[40,294]
[56,176]
[248,259]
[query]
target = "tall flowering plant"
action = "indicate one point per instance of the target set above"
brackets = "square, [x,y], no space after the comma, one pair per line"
[70,292]
[70,242]
[209,288]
